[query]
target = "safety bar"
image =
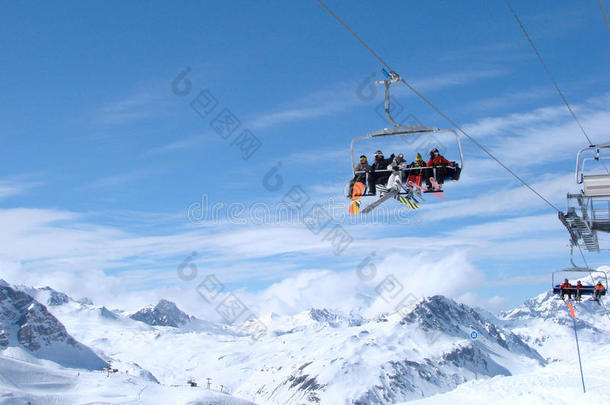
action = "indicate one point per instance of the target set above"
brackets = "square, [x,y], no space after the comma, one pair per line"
[408,169]
[407,131]
[581,270]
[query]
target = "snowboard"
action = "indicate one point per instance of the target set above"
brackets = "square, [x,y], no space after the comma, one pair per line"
[386,196]
[406,201]
[354,207]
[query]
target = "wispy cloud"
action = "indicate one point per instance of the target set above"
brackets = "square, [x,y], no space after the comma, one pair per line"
[343,96]
[510,99]
[453,79]
[503,201]
[9,189]
[188,142]
[325,102]
[122,178]
[545,135]
[143,103]
[13,187]
[486,53]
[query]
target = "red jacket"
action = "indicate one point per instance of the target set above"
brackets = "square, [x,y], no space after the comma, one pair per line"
[438,161]
[565,285]
[579,286]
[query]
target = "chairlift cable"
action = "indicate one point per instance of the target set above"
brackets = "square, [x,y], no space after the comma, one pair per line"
[548,72]
[593,281]
[573,315]
[429,103]
[601,6]
[546,69]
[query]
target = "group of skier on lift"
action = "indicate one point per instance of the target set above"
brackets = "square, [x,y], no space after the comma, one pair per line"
[387,171]
[568,289]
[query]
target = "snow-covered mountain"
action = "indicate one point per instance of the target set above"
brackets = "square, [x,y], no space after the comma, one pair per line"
[45,295]
[322,356]
[165,313]
[27,324]
[318,356]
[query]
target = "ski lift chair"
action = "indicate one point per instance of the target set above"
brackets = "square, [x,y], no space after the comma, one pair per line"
[451,173]
[574,273]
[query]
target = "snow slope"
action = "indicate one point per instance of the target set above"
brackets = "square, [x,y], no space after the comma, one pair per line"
[557,384]
[28,380]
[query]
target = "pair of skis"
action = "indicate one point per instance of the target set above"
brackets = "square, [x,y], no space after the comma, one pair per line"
[409,201]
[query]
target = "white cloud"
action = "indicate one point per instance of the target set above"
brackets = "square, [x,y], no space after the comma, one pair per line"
[493,304]
[423,275]
[13,187]
[516,228]
[502,201]
[117,268]
[309,289]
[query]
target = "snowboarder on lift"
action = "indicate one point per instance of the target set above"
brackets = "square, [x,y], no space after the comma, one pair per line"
[397,166]
[363,166]
[380,163]
[566,288]
[598,291]
[437,165]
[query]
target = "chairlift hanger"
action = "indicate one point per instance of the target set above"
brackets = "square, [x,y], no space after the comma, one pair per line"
[400,130]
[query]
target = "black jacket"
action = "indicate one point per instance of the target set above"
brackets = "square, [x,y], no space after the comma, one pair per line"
[382,164]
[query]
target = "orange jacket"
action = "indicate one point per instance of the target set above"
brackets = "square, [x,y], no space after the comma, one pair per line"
[599,287]
[438,161]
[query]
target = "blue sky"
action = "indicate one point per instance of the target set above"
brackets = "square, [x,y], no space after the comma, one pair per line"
[102,160]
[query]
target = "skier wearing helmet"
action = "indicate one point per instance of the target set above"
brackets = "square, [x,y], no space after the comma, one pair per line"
[379,175]
[437,165]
